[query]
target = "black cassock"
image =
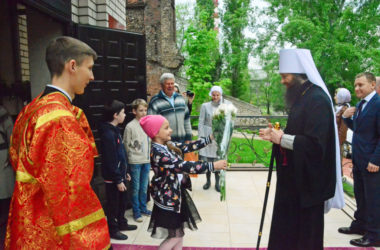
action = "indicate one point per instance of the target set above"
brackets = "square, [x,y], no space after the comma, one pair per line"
[306,175]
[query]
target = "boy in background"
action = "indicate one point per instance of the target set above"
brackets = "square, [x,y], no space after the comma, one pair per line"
[137,145]
[114,170]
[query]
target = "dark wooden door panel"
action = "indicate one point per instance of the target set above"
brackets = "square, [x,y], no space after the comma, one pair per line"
[120,73]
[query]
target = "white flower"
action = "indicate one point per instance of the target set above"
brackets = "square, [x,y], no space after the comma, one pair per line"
[226,109]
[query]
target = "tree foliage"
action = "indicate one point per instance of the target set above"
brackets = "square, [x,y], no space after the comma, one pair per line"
[343,35]
[236,47]
[268,94]
[201,48]
[204,65]
[207,7]
[184,17]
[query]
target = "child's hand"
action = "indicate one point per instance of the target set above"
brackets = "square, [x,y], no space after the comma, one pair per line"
[121,187]
[219,165]
[128,177]
[212,137]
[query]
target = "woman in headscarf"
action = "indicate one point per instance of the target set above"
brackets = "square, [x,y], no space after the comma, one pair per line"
[342,99]
[205,129]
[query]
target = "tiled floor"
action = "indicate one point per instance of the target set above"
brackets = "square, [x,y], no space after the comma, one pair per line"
[235,222]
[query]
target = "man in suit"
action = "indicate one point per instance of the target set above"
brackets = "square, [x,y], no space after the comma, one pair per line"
[365,123]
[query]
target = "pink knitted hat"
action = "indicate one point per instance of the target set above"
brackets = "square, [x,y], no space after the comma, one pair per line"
[151,124]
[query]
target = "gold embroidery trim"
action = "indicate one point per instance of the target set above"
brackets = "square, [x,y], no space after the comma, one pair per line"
[79,114]
[107,247]
[80,223]
[51,116]
[25,177]
[29,160]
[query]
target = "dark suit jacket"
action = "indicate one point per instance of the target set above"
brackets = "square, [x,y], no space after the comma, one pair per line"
[366,128]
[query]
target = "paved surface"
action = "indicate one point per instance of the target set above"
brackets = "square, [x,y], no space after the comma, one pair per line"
[235,222]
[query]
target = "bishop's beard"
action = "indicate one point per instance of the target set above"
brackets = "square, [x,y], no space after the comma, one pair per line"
[292,93]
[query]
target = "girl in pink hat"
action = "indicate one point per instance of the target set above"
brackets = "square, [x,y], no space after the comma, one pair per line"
[173,207]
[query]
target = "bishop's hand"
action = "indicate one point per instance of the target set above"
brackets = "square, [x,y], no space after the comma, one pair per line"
[265,133]
[271,134]
[276,136]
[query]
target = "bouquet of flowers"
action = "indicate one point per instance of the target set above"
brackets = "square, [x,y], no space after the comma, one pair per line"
[222,128]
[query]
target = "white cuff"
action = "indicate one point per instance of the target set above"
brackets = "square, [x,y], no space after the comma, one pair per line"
[287,141]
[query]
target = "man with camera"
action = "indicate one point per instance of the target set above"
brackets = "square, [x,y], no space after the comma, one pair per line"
[188,95]
[190,98]
[172,106]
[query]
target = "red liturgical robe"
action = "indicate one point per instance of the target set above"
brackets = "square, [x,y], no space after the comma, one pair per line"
[53,206]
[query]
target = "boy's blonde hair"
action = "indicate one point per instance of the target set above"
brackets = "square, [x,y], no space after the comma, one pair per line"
[136,103]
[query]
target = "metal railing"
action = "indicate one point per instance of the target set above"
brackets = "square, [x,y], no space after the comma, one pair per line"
[249,138]
[258,121]
[250,116]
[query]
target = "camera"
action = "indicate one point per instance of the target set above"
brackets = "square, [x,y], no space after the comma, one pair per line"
[189,93]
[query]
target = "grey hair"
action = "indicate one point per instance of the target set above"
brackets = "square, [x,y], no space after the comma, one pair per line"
[166,76]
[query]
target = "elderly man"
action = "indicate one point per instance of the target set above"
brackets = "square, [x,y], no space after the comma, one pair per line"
[172,106]
[365,123]
[307,156]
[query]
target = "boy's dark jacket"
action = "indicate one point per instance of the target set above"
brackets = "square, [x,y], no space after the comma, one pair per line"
[114,156]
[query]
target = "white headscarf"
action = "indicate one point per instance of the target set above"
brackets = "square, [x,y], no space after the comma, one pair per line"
[300,61]
[216,88]
[343,97]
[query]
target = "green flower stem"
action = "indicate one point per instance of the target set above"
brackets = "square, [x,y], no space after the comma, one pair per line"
[222,127]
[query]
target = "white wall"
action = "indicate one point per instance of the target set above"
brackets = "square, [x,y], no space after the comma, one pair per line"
[96,12]
[38,40]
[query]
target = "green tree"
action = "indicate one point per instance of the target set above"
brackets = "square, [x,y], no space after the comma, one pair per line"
[184,18]
[268,95]
[202,52]
[207,7]
[343,35]
[205,13]
[236,46]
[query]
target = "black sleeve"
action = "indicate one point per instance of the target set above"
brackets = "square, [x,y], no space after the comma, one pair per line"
[110,157]
[190,107]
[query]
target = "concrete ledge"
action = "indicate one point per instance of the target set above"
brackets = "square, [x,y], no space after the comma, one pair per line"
[247,167]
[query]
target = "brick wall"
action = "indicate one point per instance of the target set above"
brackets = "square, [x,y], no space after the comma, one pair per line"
[155,19]
[135,21]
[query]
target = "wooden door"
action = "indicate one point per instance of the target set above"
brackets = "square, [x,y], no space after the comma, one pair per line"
[120,73]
